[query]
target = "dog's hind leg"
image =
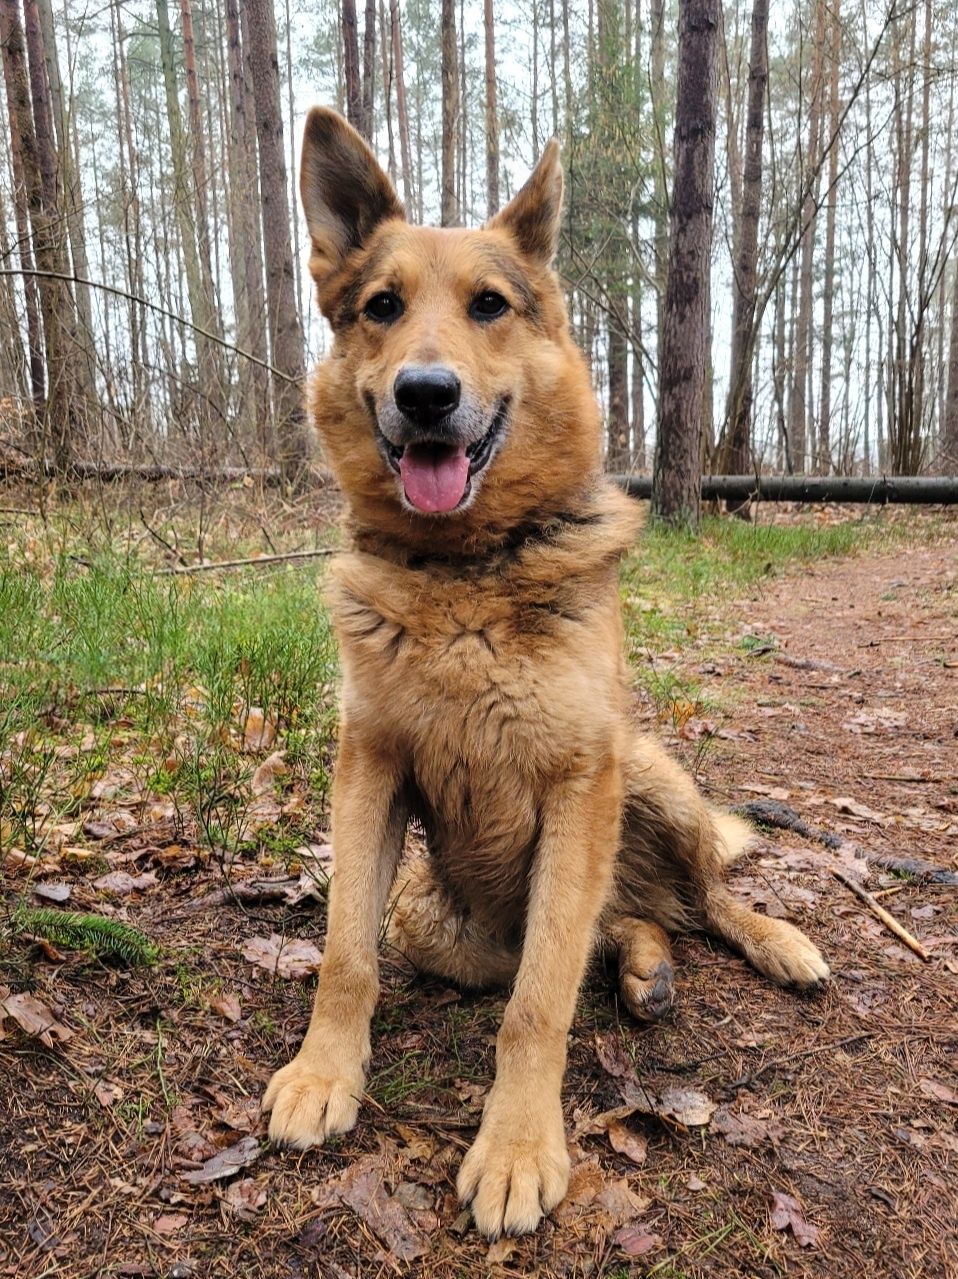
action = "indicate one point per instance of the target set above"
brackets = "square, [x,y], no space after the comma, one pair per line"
[773,946]
[427,926]
[645,966]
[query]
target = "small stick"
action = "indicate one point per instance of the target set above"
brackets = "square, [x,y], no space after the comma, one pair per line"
[890,922]
[14,858]
[255,561]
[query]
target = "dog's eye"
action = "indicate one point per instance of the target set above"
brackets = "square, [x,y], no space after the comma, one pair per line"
[488,306]
[384,308]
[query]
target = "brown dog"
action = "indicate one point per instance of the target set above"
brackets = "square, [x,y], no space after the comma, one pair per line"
[484,688]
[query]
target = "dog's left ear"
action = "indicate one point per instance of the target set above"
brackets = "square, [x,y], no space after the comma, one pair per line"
[345,193]
[532,217]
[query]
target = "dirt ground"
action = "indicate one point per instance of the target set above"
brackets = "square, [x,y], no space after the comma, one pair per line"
[751,1133]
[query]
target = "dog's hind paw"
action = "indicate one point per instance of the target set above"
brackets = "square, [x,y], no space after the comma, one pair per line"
[787,956]
[648,997]
[308,1105]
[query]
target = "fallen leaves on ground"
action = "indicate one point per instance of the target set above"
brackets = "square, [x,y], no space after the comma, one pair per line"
[286,957]
[34,1018]
[787,1214]
[246,1197]
[636,1241]
[743,1129]
[627,1142]
[226,1163]
[362,1188]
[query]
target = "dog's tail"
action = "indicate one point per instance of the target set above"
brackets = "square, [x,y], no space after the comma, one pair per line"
[733,835]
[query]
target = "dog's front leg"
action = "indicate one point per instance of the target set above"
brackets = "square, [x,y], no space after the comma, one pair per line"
[518,1166]
[318,1093]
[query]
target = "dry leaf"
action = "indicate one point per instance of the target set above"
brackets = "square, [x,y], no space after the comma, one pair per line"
[259,729]
[501,1251]
[35,1019]
[845,804]
[635,1241]
[686,1105]
[245,1197]
[121,882]
[227,1006]
[743,1129]
[52,892]
[362,1189]
[627,1142]
[695,1183]
[264,777]
[787,1214]
[940,1092]
[285,957]
[107,1093]
[168,1223]
[225,1163]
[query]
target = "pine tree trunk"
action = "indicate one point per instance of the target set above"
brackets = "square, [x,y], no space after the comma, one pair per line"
[246,254]
[492,124]
[831,210]
[31,132]
[737,453]
[402,116]
[286,339]
[369,69]
[798,397]
[449,214]
[386,59]
[660,193]
[684,358]
[354,88]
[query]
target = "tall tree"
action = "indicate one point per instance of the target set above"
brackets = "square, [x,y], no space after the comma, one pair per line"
[492,123]
[949,435]
[802,359]
[736,454]
[402,115]
[354,87]
[65,409]
[449,211]
[369,70]
[831,214]
[684,357]
[286,338]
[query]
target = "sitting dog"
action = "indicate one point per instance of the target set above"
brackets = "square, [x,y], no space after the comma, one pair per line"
[485,693]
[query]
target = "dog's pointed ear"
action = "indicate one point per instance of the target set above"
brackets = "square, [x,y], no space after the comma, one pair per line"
[345,193]
[532,217]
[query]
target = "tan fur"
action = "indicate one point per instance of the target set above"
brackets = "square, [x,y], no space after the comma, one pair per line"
[485,692]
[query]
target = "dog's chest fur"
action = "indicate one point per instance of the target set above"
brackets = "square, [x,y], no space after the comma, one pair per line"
[490,687]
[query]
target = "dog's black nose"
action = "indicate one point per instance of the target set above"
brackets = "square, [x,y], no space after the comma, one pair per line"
[426,393]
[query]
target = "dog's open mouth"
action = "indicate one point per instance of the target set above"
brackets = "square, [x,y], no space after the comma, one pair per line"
[437,477]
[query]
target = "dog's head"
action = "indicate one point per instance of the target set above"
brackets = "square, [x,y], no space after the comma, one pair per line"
[454,405]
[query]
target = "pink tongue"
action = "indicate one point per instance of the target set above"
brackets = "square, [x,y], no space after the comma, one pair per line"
[434,476]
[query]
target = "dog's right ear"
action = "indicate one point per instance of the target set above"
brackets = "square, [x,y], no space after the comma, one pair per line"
[345,193]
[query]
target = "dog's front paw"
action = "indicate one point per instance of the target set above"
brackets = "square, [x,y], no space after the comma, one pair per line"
[310,1102]
[516,1170]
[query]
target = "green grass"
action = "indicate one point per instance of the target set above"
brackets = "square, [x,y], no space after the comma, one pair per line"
[678,587]
[105,666]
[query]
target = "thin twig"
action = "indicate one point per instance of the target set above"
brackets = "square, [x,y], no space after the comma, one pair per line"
[256,561]
[890,922]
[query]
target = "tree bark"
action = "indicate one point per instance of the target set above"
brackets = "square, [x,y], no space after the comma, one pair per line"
[736,456]
[286,339]
[660,192]
[831,211]
[492,123]
[369,69]
[246,254]
[798,398]
[948,462]
[684,356]
[402,116]
[449,213]
[64,418]
[354,88]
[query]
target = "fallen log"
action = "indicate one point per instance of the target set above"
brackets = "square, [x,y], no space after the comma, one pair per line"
[882,490]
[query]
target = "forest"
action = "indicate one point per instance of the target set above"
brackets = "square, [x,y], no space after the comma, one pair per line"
[759,254]
[155,308]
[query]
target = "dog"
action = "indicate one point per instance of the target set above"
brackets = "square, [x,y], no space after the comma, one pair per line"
[484,687]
